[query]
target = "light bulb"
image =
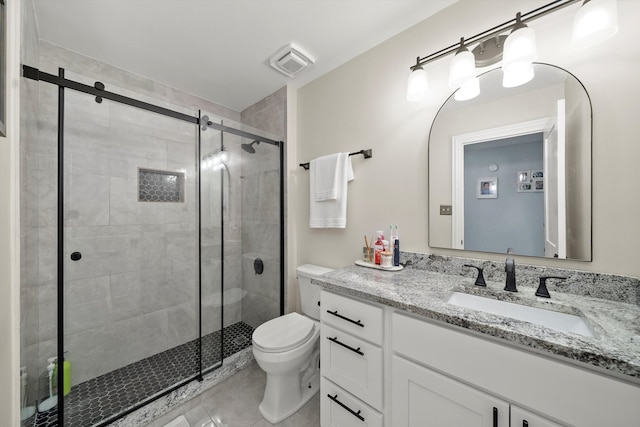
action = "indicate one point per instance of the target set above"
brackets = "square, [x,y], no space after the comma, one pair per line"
[517,74]
[520,48]
[595,22]
[417,85]
[469,90]
[463,67]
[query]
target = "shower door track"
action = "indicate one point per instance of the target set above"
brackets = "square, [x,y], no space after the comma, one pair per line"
[98,91]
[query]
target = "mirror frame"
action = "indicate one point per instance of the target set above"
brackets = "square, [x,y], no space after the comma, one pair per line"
[588,257]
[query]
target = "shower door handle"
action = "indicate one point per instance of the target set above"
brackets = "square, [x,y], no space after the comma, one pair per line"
[76,256]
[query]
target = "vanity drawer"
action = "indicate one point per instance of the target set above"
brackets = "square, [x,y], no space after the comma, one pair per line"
[361,319]
[353,364]
[339,408]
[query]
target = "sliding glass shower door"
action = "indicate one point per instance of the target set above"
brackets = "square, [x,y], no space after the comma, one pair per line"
[156,240]
[131,267]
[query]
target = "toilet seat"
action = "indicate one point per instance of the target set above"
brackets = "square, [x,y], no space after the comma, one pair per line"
[283,333]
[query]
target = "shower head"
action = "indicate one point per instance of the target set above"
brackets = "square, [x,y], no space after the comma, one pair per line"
[249,147]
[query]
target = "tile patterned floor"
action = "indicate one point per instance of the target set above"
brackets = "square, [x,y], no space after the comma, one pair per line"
[99,399]
[234,403]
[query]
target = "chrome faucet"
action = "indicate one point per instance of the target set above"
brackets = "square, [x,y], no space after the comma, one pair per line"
[510,268]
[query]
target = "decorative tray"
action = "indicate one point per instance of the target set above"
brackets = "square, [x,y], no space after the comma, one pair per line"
[377,267]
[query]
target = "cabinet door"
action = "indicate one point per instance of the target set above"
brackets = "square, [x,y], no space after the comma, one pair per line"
[424,398]
[522,418]
[353,364]
[341,409]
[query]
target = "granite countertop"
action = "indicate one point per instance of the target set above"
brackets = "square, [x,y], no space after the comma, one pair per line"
[615,346]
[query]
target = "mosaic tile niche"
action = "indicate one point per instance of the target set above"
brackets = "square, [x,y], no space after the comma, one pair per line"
[160,186]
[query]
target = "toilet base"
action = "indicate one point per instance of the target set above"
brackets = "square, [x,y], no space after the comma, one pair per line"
[306,393]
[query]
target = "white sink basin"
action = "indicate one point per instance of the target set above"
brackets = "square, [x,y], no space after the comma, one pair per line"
[562,322]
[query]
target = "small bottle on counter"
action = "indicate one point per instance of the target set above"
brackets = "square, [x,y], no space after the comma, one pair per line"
[395,241]
[378,247]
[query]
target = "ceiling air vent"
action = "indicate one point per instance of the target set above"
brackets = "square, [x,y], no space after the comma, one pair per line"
[291,60]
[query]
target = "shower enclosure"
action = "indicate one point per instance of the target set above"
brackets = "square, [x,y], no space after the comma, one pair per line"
[160,247]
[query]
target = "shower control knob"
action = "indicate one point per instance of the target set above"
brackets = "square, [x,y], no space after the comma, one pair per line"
[76,256]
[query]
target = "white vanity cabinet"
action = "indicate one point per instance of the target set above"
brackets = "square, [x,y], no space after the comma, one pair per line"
[559,393]
[421,372]
[421,397]
[523,418]
[351,362]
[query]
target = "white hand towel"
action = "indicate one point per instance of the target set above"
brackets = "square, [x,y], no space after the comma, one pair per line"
[325,169]
[331,213]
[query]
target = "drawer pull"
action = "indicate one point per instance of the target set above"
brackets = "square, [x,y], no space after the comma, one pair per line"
[355,350]
[335,313]
[351,411]
[495,417]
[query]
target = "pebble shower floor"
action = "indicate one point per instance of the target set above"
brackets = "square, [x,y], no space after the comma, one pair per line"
[100,398]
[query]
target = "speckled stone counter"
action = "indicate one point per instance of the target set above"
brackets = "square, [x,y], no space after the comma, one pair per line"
[615,348]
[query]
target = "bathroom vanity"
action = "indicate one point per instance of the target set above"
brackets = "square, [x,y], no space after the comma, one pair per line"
[396,352]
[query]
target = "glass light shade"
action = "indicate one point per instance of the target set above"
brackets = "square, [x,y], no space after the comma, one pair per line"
[417,85]
[463,69]
[595,22]
[520,47]
[517,74]
[469,90]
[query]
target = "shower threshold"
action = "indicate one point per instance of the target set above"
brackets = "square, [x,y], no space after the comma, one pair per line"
[99,399]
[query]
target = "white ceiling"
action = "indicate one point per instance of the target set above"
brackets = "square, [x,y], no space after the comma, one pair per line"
[220,49]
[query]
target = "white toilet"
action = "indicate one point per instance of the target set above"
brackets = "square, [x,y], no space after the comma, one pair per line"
[288,350]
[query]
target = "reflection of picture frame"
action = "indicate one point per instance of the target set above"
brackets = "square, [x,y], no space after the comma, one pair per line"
[524,187]
[530,181]
[524,176]
[487,188]
[537,175]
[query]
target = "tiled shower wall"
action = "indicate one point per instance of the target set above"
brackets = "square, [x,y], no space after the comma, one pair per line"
[133,292]
[30,194]
[261,211]
[122,293]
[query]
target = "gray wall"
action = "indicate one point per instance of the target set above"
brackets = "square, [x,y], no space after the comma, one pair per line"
[31,224]
[512,220]
[261,211]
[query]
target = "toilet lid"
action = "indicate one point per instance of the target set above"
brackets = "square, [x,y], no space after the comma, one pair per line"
[283,333]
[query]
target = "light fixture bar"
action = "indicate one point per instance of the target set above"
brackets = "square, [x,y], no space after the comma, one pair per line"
[498,29]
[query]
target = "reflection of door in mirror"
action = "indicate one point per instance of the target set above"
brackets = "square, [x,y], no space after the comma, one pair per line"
[512,222]
[555,214]
[500,114]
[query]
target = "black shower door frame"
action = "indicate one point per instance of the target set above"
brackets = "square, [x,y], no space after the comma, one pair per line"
[98,90]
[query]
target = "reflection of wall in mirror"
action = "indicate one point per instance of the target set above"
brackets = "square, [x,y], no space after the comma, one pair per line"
[512,220]
[466,120]
[578,172]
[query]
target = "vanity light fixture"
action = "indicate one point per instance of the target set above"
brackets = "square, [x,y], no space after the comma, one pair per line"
[469,90]
[418,84]
[463,67]
[595,22]
[518,56]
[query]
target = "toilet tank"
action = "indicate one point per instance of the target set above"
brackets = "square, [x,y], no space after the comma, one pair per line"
[310,294]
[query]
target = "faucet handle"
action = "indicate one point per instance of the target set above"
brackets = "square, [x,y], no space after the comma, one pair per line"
[542,290]
[480,279]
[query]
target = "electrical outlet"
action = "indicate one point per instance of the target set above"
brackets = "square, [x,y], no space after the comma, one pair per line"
[445,209]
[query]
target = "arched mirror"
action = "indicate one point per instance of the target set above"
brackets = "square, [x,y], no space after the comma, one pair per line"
[510,170]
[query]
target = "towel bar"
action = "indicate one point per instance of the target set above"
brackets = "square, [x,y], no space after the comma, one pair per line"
[366,153]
